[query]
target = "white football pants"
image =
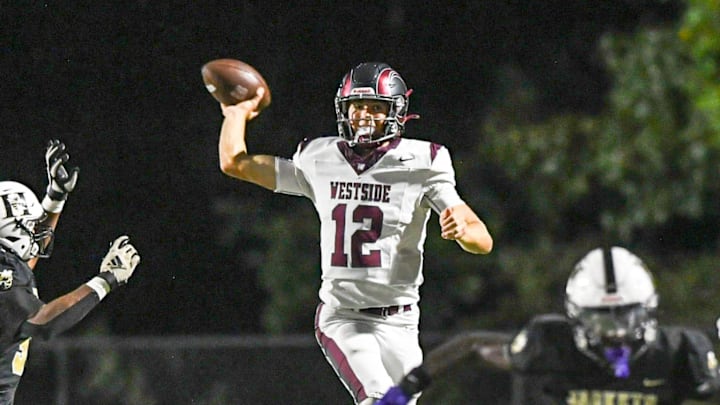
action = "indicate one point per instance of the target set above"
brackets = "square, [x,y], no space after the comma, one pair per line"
[369,353]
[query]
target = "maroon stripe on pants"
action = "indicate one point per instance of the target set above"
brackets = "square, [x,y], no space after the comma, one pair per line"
[339,361]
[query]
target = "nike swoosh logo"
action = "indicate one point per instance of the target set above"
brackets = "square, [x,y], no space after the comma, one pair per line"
[647,382]
[405,158]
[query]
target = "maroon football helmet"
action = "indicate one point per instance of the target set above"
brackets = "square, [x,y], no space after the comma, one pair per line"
[373,81]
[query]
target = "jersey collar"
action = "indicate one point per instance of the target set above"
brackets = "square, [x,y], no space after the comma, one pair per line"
[361,163]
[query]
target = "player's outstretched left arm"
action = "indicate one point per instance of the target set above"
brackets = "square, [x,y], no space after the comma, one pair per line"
[61,182]
[61,179]
[461,224]
[64,312]
[443,357]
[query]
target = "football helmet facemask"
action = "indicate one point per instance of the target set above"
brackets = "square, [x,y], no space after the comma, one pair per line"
[611,298]
[20,214]
[373,81]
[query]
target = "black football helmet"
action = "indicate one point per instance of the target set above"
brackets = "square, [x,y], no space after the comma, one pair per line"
[374,81]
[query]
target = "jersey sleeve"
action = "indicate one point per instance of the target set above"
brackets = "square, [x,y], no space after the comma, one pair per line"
[541,345]
[16,306]
[290,177]
[440,190]
[702,365]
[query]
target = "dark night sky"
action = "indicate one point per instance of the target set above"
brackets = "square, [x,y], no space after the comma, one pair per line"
[121,86]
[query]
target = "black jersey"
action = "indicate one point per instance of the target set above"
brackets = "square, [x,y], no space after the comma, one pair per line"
[548,368]
[18,301]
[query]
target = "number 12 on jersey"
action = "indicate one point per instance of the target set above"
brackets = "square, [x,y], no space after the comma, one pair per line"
[362,214]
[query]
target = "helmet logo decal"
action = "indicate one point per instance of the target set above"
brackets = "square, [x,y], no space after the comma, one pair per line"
[362,90]
[386,81]
[6,279]
[15,205]
[346,85]
[611,299]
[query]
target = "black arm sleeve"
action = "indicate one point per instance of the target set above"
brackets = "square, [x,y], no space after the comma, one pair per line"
[702,364]
[16,306]
[63,321]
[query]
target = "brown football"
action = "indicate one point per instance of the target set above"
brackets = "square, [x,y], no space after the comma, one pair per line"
[231,81]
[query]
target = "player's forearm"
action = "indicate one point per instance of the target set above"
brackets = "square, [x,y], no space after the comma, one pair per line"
[477,239]
[53,309]
[64,312]
[447,354]
[234,158]
[438,360]
[459,347]
[61,313]
[232,145]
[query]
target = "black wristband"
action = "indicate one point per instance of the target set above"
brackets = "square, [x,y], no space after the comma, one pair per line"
[56,195]
[415,381]
[110,279]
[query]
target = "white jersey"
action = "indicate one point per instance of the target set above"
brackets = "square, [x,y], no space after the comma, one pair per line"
[373,214]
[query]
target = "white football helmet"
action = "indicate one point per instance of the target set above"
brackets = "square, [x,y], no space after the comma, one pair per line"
[20,213]
[611,297]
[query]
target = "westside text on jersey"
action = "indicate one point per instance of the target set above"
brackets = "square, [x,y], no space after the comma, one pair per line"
[340,190]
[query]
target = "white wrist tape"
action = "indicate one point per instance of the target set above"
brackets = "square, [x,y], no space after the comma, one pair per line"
[100,286]
[53,206]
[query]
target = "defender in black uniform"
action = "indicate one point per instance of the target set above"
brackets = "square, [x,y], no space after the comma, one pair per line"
[26,234]
[607,349]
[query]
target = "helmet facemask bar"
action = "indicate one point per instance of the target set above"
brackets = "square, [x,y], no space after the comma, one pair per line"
[44,239]
[393,123]
[29,239]
[615,325]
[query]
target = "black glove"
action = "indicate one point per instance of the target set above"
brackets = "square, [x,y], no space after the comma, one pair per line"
[415,381]
[61,180]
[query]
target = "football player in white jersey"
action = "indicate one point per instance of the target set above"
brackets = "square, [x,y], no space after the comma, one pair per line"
[373,191]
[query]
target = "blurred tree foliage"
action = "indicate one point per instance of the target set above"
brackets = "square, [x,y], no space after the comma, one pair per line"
[699,30]
[641,173]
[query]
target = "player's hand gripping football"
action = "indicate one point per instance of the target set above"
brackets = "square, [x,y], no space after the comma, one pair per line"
[61,179]
[247,108]
[120,260]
